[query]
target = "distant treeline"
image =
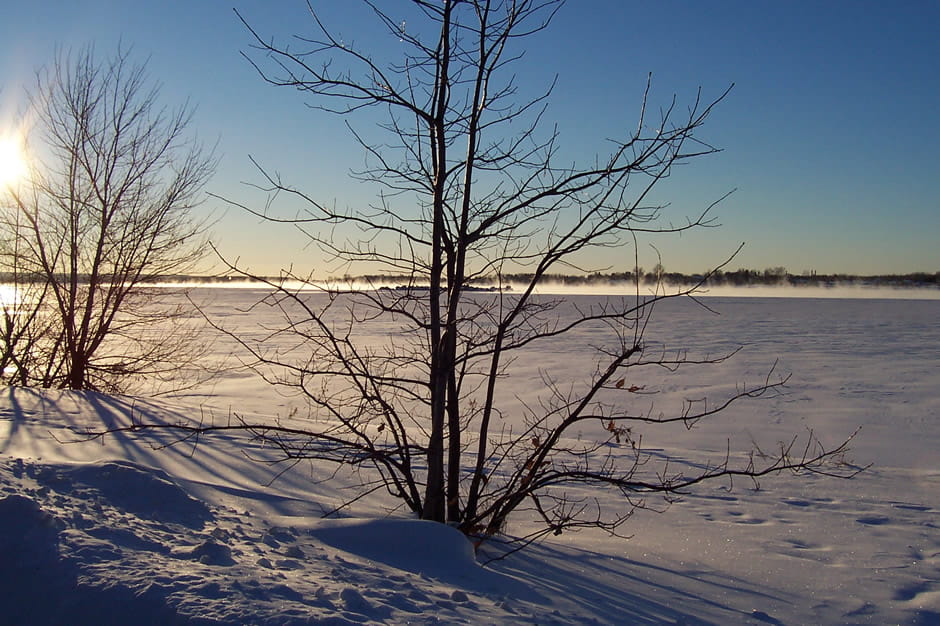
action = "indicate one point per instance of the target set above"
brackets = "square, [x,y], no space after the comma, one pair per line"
[777,276]
[741,278]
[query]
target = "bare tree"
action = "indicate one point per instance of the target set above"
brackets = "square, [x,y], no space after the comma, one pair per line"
[472,188]
[107,207]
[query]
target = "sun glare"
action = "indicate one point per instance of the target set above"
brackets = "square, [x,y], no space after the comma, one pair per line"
[12,161]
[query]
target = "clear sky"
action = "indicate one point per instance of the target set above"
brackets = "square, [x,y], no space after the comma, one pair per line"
[830,135]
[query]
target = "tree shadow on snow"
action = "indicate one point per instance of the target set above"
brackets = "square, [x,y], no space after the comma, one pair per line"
[56,425]
[618,589]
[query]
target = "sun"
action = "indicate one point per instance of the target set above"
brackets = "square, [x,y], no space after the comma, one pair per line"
[12,161]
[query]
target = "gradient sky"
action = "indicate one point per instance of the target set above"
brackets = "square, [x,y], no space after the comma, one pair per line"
[830,135]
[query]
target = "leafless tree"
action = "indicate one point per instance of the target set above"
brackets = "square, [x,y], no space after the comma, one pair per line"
[107,206]
[471,188]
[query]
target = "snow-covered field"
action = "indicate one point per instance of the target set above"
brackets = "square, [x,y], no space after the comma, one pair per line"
[118,532]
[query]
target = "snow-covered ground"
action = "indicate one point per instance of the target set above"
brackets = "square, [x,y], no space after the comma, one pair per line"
[121,532]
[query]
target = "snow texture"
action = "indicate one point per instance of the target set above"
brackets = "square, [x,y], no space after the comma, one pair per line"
[122,532]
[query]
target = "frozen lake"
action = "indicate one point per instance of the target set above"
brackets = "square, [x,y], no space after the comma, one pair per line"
[853,362]
[867,549]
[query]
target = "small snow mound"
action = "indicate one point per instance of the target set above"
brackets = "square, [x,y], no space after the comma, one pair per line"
[26,531]
[33,575]
[429,549]
[413,545]
[147,493]
[209,552]
[354,601]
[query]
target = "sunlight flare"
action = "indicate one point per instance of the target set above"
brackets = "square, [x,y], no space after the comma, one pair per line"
[12,160]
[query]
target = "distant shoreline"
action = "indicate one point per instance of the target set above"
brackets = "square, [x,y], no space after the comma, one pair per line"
[742,283]
[835,290]
[776,277]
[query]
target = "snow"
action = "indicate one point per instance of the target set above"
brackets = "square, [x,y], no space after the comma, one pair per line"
[125,530]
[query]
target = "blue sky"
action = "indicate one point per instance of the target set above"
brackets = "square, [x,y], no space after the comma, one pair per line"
[830,135]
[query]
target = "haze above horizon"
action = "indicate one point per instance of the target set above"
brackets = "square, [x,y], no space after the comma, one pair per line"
[829,134]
